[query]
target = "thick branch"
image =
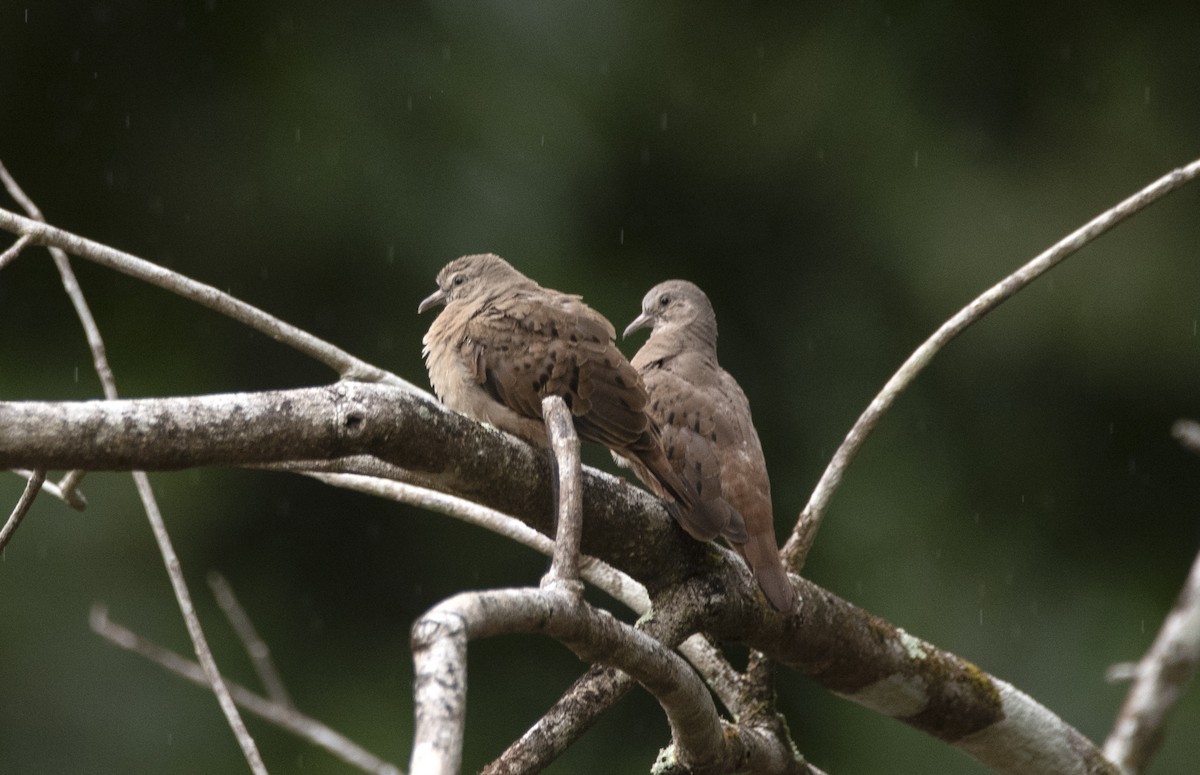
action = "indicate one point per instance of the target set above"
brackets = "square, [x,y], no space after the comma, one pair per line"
[839,645]
[404,428]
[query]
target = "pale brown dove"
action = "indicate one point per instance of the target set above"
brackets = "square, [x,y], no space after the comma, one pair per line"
[705,422]
[503,343]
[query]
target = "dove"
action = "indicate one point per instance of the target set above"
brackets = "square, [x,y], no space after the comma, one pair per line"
[503,343]
[705,423]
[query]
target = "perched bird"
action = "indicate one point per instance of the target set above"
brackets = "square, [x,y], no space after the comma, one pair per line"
[503,343]
[705,422]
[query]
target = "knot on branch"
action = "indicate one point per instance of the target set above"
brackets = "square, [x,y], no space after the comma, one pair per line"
[352,413]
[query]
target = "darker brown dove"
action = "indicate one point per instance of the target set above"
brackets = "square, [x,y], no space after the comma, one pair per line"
[705,423]
[503,343]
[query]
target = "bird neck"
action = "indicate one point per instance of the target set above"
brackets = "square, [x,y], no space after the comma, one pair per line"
[695,337]
[701,335]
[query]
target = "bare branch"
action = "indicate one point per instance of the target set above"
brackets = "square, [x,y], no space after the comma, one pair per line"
[48,487]
[195,632]
[341,361]
[18,194]
[601,686]
[705,657]
[720,676]
[403,428]
[439,647]
[566,721]
[874,663]
[149,503]
[14,250]
[279,714]
[564,443]
[256,648]
[880,666]
[71,497]
[1161,677]
[32,488]
[800,542]
[68,489]
[439,654]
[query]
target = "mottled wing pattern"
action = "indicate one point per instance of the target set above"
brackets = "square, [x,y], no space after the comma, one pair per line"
[524,350]
[691,429]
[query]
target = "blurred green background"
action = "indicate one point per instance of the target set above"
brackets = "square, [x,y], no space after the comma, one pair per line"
[840,178]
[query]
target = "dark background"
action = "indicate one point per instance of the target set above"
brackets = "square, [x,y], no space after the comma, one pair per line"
[840,178]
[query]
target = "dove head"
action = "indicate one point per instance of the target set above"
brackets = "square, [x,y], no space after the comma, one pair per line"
[677,305]
[474,278]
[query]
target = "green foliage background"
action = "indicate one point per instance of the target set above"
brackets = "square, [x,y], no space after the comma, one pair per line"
[840,177]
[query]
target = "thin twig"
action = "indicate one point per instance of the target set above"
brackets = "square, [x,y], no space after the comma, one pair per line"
[256,648]
[73,499]
[345,364]
[18,194]
[145,493]
[564,443]
[14,250]
[282,715]
[805,532]
[69,487]
[32,488]
[70,285]
[195,632]
[1161,677]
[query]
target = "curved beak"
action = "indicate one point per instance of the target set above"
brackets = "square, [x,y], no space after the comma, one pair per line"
[641,321]
[435,299]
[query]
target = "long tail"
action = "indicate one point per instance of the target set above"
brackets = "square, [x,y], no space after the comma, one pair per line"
[762,556]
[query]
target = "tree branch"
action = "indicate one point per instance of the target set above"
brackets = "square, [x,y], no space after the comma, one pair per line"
[564,444]
[145,494]
[280,714]
[1159,681]
[32,488]
[839,645]
[14,250]
[345,364]
[439,654]
[256,648]
[195,632]
[796,549]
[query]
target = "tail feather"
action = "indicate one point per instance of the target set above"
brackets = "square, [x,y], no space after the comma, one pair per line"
[762,556]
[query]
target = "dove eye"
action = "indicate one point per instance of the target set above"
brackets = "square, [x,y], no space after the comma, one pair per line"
[664,300]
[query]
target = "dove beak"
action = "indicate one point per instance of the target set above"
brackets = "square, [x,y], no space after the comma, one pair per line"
[435,299]
[641,321]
